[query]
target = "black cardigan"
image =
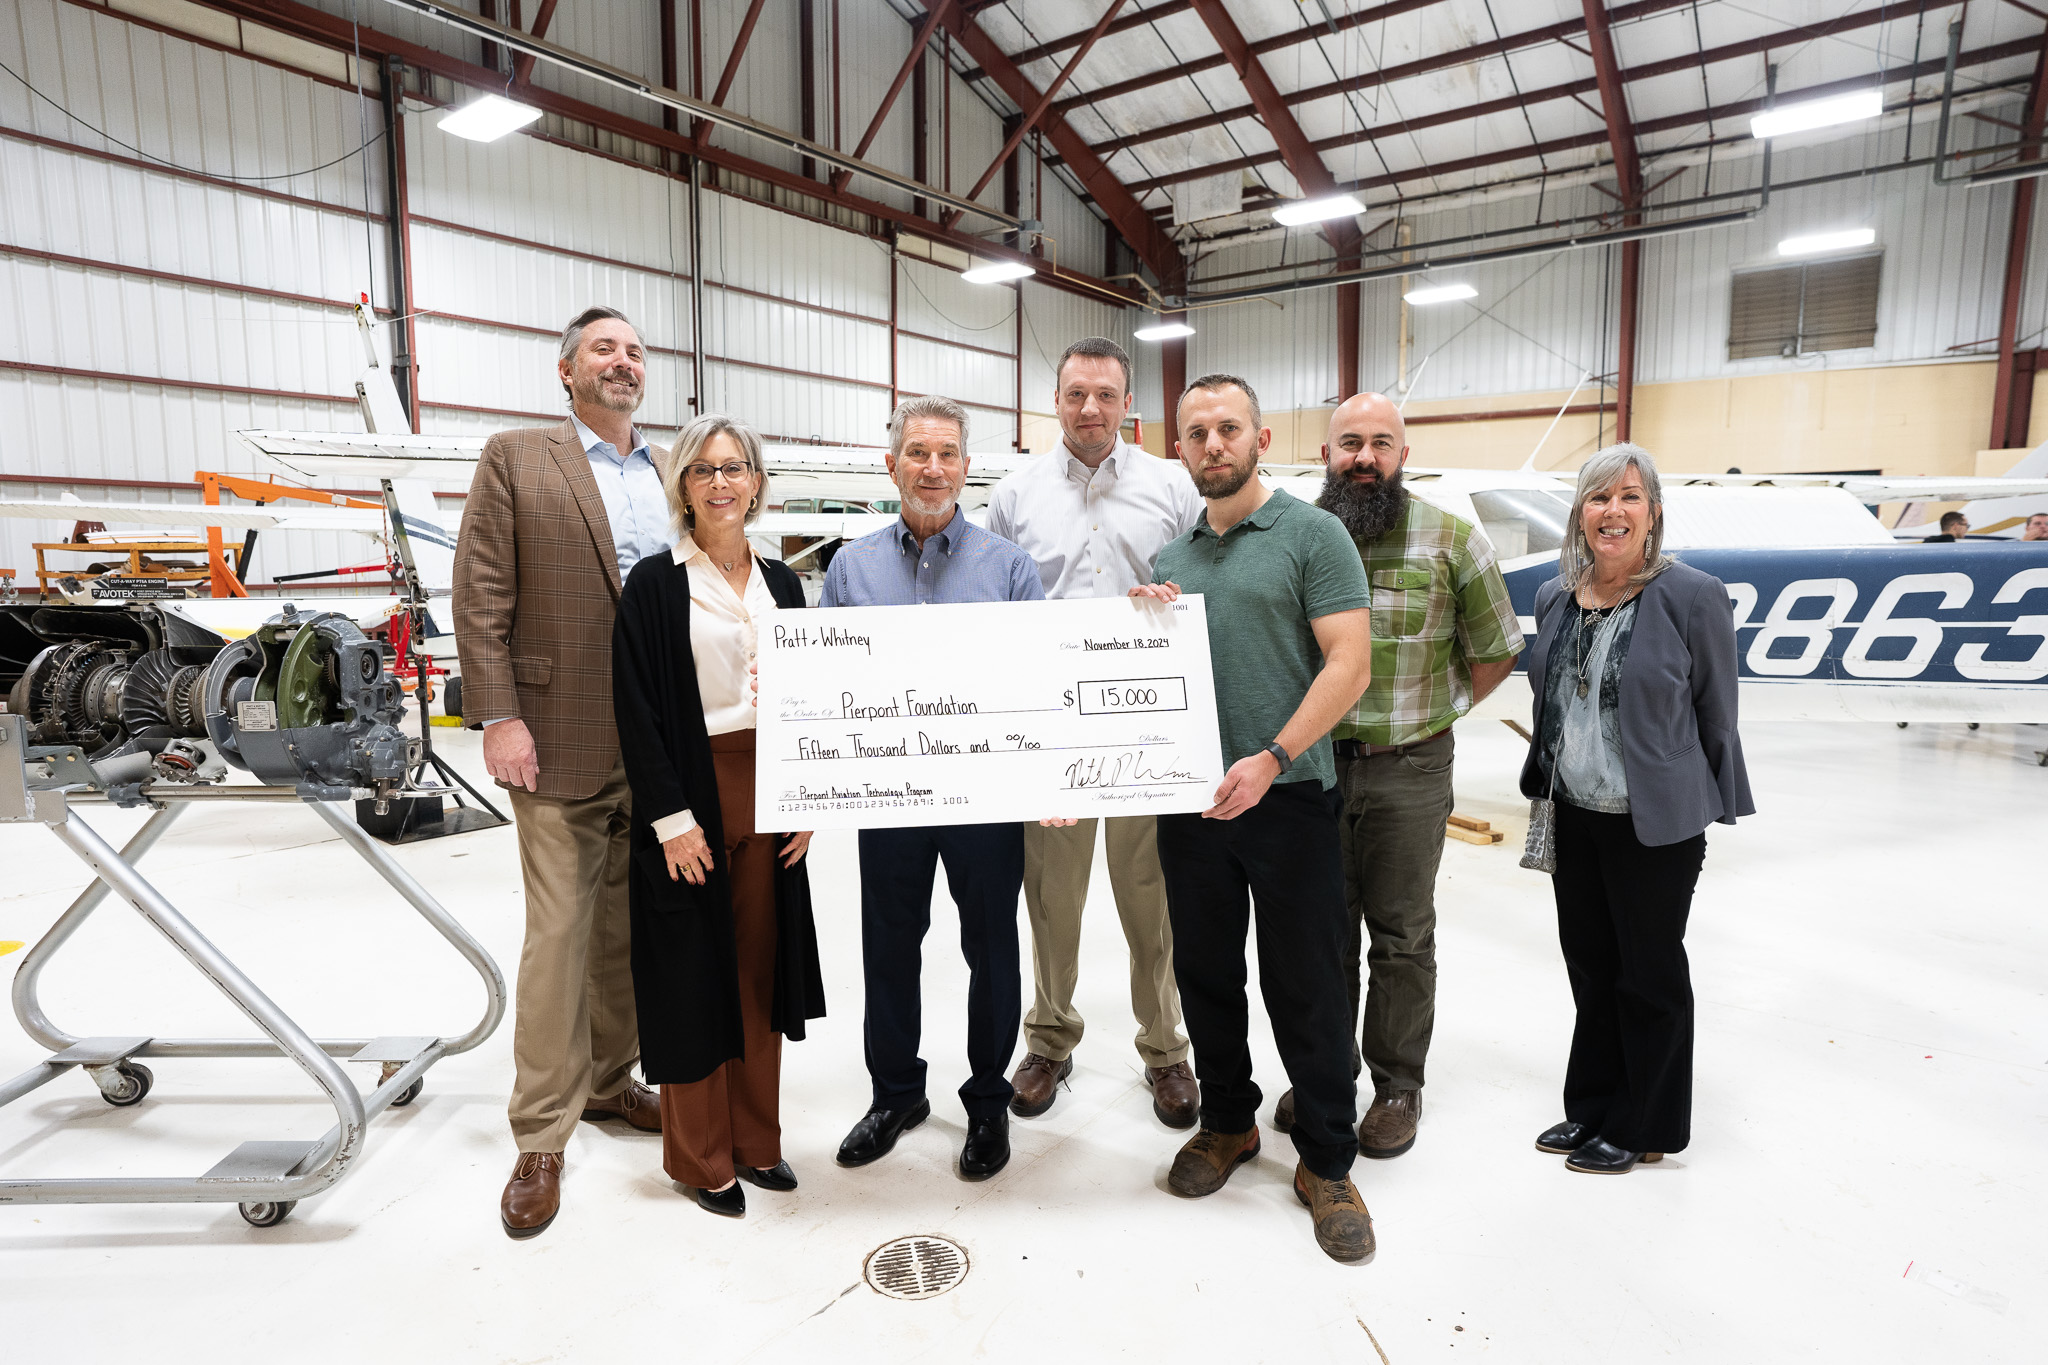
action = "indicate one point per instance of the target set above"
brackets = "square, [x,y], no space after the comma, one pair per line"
[685,968]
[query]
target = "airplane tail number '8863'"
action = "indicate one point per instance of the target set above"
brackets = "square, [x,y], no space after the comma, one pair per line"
[1913,632]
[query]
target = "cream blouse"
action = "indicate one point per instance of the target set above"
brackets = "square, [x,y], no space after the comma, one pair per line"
[724,637]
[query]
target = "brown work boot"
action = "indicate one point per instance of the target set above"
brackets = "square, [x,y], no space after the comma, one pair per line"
[533,1196]
[1388,1128]
[1037,1082]
[1283,1112]
[1343,1226]
[636,1104]
[1207,1160]
[1174,1096]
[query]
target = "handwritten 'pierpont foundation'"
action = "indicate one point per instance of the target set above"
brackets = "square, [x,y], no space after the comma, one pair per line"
[973,714]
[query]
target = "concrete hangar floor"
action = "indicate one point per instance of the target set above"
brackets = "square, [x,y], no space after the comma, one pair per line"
[1864,1182]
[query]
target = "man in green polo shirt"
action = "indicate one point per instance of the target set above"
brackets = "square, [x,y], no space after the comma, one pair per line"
[1290,645]
[1443,636]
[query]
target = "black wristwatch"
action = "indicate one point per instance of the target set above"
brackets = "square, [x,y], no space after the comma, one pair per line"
[1280,754]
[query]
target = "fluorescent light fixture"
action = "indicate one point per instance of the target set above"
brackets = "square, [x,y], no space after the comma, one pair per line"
[1823,113]
[1826,241]
[1317,210]
[488,118]
[1442,293]
[1164,331]
[998,272]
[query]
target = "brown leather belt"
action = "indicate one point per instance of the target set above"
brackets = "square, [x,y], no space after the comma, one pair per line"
[1351,748]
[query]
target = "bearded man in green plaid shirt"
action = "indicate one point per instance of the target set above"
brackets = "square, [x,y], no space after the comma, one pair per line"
[1443,636]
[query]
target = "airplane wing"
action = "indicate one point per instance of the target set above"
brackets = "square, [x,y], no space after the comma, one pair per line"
[1878,488]
[820,525]
[312,454]
[365,520]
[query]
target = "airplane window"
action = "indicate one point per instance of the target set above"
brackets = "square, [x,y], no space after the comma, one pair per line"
[1522,521]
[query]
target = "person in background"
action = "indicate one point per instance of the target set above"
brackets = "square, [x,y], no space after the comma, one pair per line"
[1443,637]
[1954,526]
[1094,513]
[725,954]
[1634,675]
[1288,611]
[2036,528]
[556,519]
[933,553]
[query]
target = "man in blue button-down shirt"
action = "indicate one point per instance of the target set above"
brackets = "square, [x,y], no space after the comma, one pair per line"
[933,553]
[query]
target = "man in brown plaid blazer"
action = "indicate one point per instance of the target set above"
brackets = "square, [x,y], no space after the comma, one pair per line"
[556,517]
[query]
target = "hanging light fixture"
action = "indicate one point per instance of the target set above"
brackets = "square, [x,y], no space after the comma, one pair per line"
[998,272]
[1822,113]
[488,118]
[1317,210]
[1164,331]
[1441,293]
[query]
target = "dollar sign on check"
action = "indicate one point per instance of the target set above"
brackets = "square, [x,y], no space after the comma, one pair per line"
[1068,695]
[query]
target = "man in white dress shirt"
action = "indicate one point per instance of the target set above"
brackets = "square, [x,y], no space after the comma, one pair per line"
[1094,512]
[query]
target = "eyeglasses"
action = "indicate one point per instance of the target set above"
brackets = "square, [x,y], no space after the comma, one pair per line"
[703,473]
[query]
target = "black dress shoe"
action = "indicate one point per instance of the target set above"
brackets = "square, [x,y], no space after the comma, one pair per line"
[730,1202]
[1598,1156]
[776,1177]
[1564,1139]
[987,1149]
[876,1133]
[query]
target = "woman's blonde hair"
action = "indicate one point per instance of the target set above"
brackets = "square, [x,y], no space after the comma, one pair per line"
[1597,475]
[690,444]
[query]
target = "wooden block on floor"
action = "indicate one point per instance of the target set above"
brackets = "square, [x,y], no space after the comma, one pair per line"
[1474,836]
[1467,822]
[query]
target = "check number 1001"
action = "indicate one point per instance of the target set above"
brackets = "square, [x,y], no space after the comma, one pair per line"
[1126,695]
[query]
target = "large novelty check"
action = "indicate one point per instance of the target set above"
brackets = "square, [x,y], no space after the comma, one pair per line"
[954,715]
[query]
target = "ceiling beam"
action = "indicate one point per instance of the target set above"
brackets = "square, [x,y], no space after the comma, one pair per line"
[918,45]
[335,33]
[1308,169]
[522,66]
[1621,132]
[1748,47]
[1137,18]
[1513,42]
[702,130]
[1037,110]
[1151,244]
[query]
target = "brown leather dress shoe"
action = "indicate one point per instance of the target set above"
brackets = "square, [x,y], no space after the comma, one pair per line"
[1037,1084]
[1175,1097]
[1207,1160]
[1343,1225]
[533,1196]
[636,1104]
[1388,1128]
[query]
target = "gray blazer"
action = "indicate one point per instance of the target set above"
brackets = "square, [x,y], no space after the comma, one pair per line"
[1679,747]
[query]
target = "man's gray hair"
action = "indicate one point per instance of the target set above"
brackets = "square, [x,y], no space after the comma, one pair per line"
[572,335]
[932,406]
[1598,475]
[1213,383]
[690,443]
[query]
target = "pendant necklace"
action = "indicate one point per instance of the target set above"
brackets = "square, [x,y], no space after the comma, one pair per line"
[1591,623]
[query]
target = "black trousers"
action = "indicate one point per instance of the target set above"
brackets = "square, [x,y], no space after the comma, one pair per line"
[1284,852]
[1621,912]
[985,873]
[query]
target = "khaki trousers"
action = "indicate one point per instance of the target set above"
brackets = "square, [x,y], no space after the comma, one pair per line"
[1056,867]
[575,1036]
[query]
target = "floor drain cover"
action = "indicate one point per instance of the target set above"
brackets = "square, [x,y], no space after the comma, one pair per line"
[916,1267]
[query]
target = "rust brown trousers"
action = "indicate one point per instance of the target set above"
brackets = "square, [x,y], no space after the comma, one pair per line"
[734,1115]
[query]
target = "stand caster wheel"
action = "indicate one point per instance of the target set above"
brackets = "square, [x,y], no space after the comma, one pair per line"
[1973,725]
[1902,725]
[135,1081]
[267,1215]
[409,1094]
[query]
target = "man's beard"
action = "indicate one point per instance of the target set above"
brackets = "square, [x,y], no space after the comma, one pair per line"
[1226,483]
[1368,508]
[592,390]
[930,505]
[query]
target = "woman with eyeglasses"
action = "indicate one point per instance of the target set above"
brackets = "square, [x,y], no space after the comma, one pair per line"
[1633,667]
[725,955]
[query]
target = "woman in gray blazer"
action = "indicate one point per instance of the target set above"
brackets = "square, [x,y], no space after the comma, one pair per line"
[1633,670]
